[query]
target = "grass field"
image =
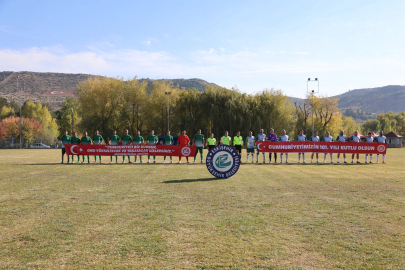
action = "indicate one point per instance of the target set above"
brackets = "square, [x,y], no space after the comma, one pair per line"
[176,216]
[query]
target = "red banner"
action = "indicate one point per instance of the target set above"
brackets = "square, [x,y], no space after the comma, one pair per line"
[322,147]
[129,150]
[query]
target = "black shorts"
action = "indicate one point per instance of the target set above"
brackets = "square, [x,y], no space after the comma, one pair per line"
[210,147]
[238,148]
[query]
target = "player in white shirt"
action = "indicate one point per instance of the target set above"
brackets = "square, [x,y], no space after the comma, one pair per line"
[355,138]
[301,138]
[341,138]
[284,138]
[369,139]
[314,138]
[250,146]
[261,137]
[328,138]
[381,139]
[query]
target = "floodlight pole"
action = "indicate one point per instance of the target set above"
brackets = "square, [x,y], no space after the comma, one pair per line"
[312,92]
[167,94]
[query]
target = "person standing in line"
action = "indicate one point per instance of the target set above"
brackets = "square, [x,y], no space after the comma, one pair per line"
[369,139]
[272,137]
[168,140]
[86,140]
[75,140]
[183,140]
[97,139]
[126,139]
[328,138]
[226,140]
[238,143]
[261,137]
[355,138]
[301,138]
[284,138]
[66,139]
[314,138]
[341,138]
[152,140]
[199,141]
[381,139]
[250,146]
[114,140]
[138,139]
[211,142]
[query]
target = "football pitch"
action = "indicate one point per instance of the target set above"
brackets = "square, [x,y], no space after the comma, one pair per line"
[177,216]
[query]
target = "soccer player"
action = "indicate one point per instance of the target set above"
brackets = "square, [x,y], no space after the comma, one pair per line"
[168,140]
[261,137]
[250,146]
[97,139]
[138,139]
[355,138]
[341,138]
[327,138]
[66,139]
[199,141]
[75,140]
[211,142]
[301,138]
[284,138]
[226,140]
[114,140]
[183,140]
[238,143]
[369,139]
[152,140]
[86,140]
[126,139]
[272,137]
[381,139]
[314,138]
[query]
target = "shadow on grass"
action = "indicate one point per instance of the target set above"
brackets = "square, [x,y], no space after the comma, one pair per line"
[191,180]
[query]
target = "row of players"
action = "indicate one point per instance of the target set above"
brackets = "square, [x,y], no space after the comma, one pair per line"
[199,141]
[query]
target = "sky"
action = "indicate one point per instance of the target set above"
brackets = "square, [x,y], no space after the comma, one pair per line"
[249,45]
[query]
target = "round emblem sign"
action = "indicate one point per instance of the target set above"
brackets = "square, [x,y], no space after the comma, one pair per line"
[185,151]
[223,161]
[381,148]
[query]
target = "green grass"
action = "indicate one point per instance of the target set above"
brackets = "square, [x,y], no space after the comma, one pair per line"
[176,216]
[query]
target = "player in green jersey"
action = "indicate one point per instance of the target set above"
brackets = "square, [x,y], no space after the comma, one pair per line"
[238,143]
[152,140]
[138,139]
[168,140]
[226,140]
[97,139]
[86,140]
[199,141]
[211,142]
[114,140]
[75,140]
[126,139]
[65,140]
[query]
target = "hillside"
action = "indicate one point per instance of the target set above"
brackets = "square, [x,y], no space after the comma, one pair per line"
[52,88]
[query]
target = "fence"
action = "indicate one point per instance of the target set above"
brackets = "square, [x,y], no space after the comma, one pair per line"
[38,143]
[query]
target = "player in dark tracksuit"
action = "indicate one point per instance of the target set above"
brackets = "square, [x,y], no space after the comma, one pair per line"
[272,137]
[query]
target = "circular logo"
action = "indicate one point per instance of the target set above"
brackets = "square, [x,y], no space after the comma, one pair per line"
[223,161]
[185,151]
[381,148]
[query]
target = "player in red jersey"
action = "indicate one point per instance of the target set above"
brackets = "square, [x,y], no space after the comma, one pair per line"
[183,140]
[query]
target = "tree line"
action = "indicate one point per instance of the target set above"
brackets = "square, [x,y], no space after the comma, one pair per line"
[108,104]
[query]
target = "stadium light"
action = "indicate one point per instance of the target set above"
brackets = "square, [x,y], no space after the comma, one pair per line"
[167,94]
[312,92]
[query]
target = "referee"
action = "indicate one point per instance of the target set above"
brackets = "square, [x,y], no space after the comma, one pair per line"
[238,143]
[211,142]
